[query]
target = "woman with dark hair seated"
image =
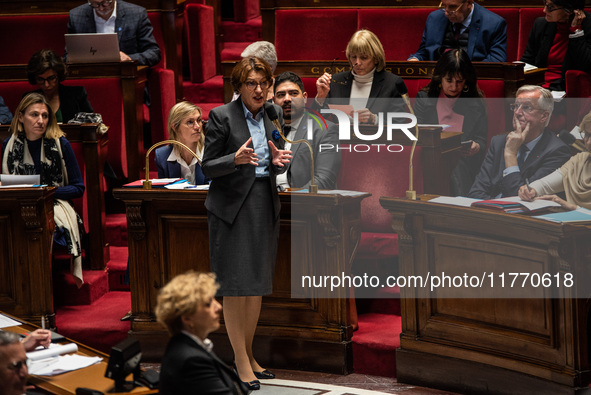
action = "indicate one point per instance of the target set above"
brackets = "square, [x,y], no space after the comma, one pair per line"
[173,161]
[37,146]
[188,309]
[573,178]
[47,70]
[560,41]
[453,98]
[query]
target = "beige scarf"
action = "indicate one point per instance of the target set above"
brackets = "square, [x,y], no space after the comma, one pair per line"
[576,176]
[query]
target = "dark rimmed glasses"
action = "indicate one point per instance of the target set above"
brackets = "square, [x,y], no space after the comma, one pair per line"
[252,85]
[551,8]
[450,12]
[104,3]
[51,79]
[525,107]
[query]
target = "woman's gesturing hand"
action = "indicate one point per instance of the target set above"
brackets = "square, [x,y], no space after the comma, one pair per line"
[246,155]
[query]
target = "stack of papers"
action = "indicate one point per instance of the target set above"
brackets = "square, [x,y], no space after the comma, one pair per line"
[52,361]
[512,204]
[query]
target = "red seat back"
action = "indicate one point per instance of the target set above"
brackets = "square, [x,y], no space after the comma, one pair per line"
[406,39]
[511,16]
[527,16]
[200,39]
[156,20]
[321,34]
[380,173]
[23,35]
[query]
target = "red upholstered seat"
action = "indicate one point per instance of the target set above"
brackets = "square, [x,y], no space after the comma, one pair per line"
[246,9]
[106,98]
[204,87]
[511,15]
[321,34]
[156,21]
[527,16]
[399,43]
[18,42]
[380,173]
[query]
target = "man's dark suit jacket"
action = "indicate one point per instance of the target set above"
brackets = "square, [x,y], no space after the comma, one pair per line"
[487,36]
[548,155]
[578,53]
[226,131]
[168,169]
[188,369]
[385,85]
[73,99]
[132,26]
[326,162]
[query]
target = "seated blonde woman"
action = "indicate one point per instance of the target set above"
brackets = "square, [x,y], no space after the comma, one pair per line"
[185,125]
[573,178]
[188,309]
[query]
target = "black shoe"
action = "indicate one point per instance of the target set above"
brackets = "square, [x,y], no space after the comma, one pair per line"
[264,375]
[253,385]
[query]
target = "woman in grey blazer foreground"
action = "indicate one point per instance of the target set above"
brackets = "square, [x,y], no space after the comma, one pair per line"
[242,157]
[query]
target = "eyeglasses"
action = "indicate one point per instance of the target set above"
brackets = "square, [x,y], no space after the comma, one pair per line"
[551,8]
[191,123]
[252,85]
[525,107]
[585,135]
[450,12]
[104,3]
[51,79]
[18,365]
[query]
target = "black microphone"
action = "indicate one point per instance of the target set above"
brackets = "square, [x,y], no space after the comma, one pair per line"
[571,140]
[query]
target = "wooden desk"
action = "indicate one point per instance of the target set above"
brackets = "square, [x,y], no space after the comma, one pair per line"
[94,149]
[26,235]
[132,78]
[503,344]
[168,235]
[90,377]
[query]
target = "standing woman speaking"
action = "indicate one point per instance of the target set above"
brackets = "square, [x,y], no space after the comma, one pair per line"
[242,158]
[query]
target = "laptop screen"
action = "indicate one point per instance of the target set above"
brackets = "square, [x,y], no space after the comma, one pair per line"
[92,47]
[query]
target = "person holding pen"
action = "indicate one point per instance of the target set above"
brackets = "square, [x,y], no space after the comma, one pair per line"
[573,178]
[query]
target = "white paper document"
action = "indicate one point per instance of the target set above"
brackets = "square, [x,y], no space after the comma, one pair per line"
[52,361]
[6,322]
[333,192]
[535,205]
[454,201]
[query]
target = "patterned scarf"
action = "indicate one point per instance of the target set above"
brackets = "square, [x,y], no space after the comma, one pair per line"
[17,160]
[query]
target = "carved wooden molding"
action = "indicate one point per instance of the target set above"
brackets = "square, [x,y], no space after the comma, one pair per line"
[136,224]
[402,226]
[330,231]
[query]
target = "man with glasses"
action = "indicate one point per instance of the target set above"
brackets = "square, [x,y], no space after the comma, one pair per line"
[13,364]
[463,24]
[129,21]
[529,152]
[560,41]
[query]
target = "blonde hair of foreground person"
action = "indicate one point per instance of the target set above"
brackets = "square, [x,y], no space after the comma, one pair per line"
[182,295]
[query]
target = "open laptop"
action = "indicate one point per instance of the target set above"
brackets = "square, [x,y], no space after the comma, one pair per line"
[11,179]
[92,47]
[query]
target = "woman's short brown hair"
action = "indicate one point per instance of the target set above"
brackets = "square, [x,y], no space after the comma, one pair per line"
[182,295]
[245,66]
[46,59]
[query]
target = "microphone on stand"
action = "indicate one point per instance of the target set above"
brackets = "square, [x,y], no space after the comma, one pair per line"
[411,193]
[272,113]
[147,184]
